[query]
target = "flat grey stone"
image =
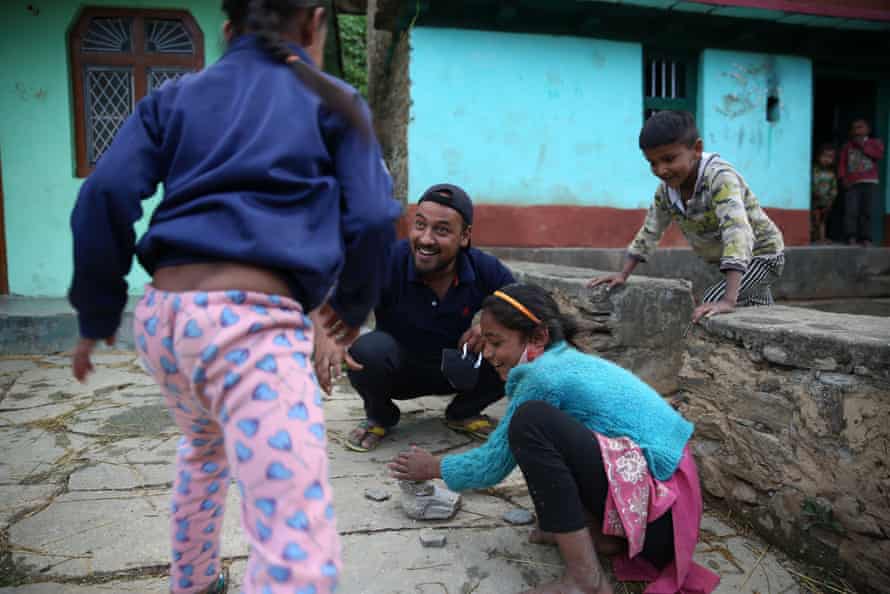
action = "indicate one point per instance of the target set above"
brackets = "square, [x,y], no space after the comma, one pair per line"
[35,455]
[16,366]
[433,539]
[115,531]
[518,516]
[428,501]
[104,476]
[115,358]
[143,586]
[37,414]
[477,561]
[15,499]
[376,495]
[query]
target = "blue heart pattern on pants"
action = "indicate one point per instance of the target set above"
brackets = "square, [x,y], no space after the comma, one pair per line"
[228,364]
[281,441]
[264,392]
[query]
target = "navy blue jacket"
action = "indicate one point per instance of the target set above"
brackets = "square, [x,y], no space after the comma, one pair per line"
[412,313]
[255,170]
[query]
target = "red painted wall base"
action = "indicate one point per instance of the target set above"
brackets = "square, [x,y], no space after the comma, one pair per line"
[588,226]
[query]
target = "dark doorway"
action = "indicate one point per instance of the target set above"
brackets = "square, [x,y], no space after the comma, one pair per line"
[4,278]
[837,102]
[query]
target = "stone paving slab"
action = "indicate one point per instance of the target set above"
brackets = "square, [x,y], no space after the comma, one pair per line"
[85,532]
[119,477]
[482,561]
[145,586]
[16,500]
[33,456]
[84,495]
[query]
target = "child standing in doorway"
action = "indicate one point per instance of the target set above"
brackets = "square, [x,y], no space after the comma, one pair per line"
[859,173]
[824,192]
[716,211]
[276,202]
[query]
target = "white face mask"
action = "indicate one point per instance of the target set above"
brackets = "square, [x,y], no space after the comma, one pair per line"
[524,357]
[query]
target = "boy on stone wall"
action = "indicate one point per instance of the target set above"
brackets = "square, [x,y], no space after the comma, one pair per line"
[716,211]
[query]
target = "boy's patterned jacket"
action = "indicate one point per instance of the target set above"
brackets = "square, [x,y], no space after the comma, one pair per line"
[723,221]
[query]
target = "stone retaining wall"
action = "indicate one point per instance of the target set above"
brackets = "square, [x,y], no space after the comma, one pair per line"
[817,272]
[639,326]
[792,414]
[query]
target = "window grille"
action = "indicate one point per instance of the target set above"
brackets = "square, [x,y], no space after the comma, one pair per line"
[109,100]
[119,55]
[158,76]
[108,35]
[669,82]
[167,36]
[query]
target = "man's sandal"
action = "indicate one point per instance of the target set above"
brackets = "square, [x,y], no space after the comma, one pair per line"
[477,427]
[221,585]
[365,430]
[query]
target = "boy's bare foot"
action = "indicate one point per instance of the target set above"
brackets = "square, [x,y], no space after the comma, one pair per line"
[589,584]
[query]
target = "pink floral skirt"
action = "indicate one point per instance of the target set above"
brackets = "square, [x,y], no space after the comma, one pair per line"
[635,499]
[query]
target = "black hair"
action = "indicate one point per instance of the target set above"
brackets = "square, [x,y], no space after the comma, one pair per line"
[825,146]
[266,19]
[539,302]
[668,127]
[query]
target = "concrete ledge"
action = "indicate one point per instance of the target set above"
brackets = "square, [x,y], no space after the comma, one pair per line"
[818,272]
[43,325]
[810,339]
[638,326]
[791,408]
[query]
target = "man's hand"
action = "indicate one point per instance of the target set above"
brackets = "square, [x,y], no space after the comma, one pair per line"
[415,465]
[706,310]
[81,365]
[612,280]
[473,339]
[332,339]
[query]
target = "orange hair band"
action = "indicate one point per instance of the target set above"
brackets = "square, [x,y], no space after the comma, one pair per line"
[522,309]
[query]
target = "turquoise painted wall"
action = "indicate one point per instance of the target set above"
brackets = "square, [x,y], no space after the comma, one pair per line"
[527,119]
[36,135]
[773,157]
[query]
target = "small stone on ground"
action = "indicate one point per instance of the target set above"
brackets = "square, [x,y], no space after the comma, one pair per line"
[376,494]
[431,539]
[518,517]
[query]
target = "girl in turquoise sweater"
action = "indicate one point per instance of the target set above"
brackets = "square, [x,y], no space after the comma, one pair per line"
[604,456]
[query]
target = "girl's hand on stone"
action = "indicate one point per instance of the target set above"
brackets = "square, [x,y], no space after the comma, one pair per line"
[706,310]
[415,465]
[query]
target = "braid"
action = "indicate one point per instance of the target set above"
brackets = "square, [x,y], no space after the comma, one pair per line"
[265,19]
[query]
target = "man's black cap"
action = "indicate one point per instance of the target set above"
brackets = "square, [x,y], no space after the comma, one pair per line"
[452,197]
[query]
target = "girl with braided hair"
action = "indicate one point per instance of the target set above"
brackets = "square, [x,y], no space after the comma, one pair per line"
[276,204]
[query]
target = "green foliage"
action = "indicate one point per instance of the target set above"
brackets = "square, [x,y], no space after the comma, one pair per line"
[354,50]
